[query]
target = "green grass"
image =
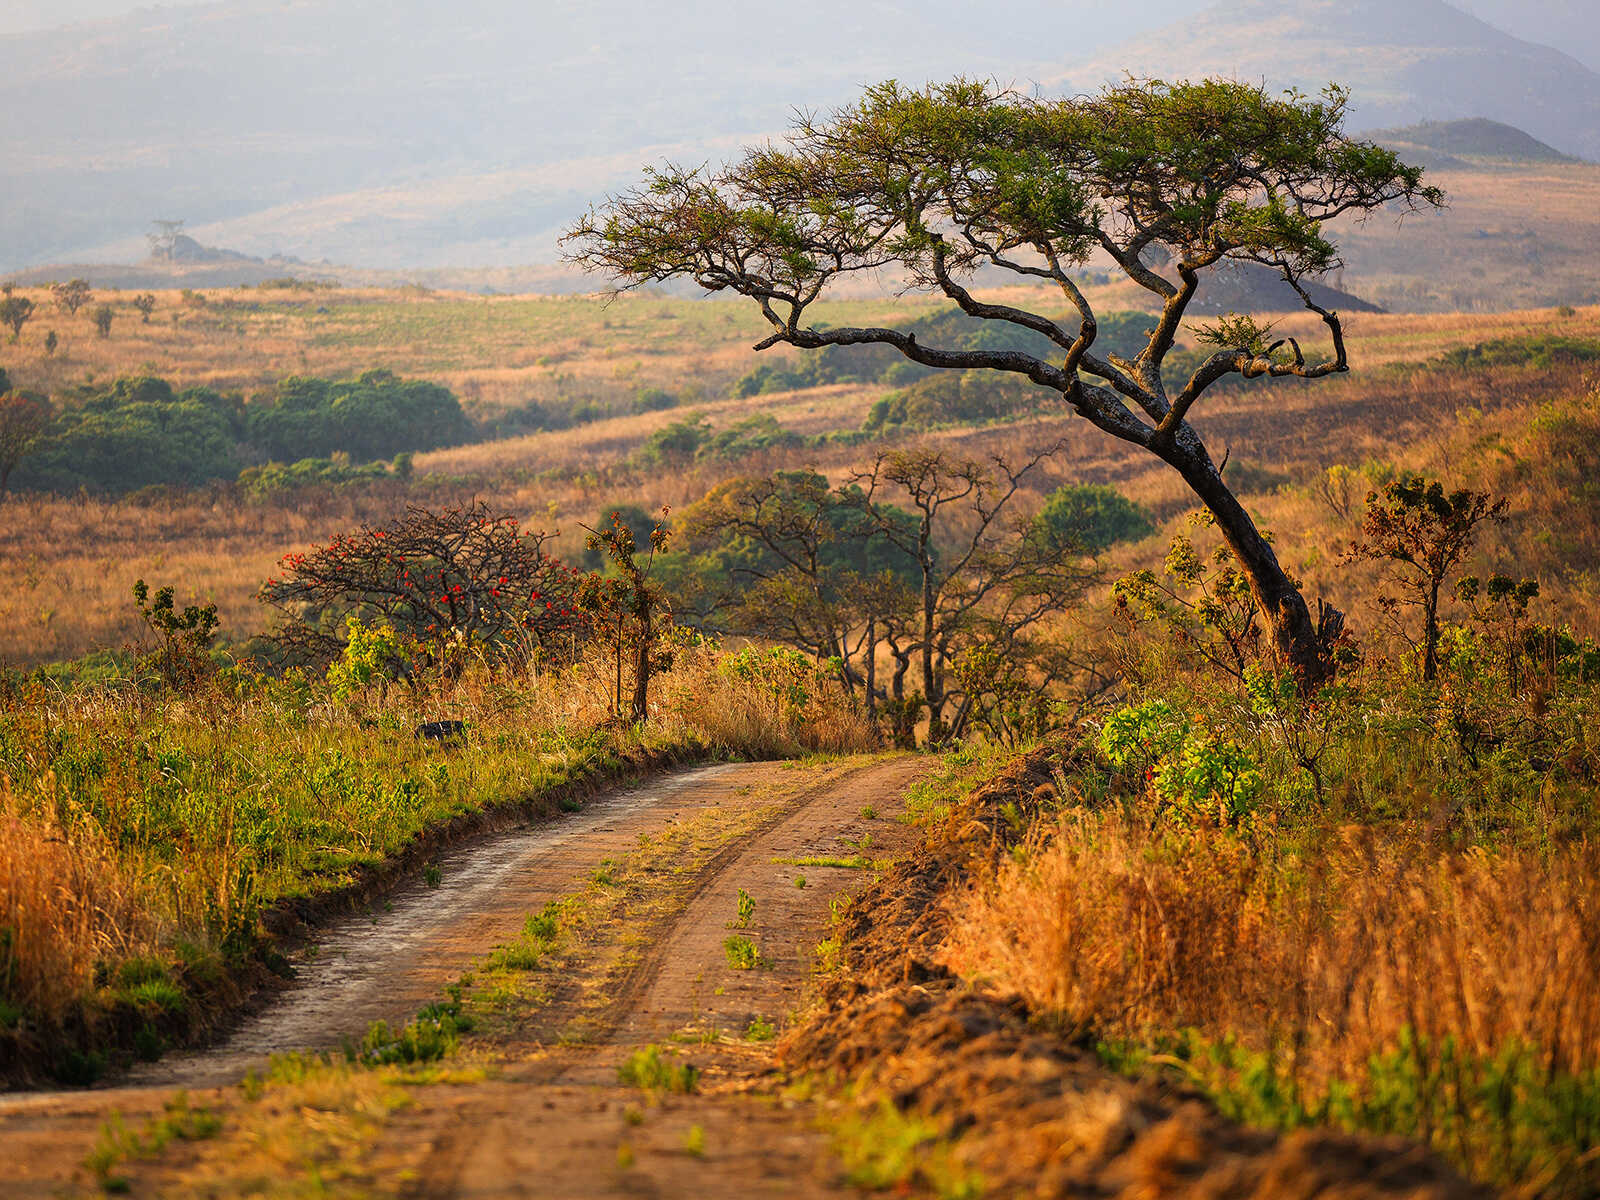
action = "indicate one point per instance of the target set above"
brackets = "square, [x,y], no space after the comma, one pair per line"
[1506,1119]
[854,862]
[117,1144]
[883,1149]
[650,1070]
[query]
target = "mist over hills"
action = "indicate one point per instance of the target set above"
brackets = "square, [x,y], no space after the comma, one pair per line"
[400,133]
[1405,61]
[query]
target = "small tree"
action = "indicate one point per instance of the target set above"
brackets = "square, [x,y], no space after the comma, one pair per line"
[460,581]
[182,659]
[1166,180]
[980,577]
[1421,533]
[102,319]
[15,312]
[628,610]
[71,295]
[790,557]
[24,420]
[145,302]
[51,341]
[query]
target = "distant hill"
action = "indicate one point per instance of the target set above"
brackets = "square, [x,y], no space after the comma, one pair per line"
[412,133]
[1573,25]
[1458,144]
[1405,61]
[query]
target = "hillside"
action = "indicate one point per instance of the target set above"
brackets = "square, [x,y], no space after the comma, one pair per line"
[1404,60]
[1569,24]
[409,135]
[404,133]
[1474,141]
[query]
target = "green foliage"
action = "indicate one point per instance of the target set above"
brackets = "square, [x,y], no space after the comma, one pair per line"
[275,480]
[1087,518]
[746,910]
[742,954]
[181,660]
[117,1143]
[373,654]
[654,400]
[693,440]
[15,312]
[136,433]
[651,1070]
[434,1033]
[1506,1118]
[1540,351]
[1196,773]
[374,416]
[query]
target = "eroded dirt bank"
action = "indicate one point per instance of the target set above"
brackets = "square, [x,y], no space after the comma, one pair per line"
[1030,1112]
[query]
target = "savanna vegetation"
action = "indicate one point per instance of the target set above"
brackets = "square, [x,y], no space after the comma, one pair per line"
[1333,872]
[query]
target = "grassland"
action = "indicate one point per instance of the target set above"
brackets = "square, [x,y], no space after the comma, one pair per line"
[66,564]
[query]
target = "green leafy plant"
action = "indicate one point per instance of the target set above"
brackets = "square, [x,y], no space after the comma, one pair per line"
[742,953]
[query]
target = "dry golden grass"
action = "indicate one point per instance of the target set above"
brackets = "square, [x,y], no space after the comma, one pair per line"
[66,903]
[1519,237]
[262,792]
[1335,950]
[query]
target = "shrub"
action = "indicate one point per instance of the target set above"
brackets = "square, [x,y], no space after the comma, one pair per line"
[1088,518]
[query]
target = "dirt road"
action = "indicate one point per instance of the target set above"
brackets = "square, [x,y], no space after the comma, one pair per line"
[551,1119]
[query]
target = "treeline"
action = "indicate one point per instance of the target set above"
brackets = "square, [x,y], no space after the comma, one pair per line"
[141,431]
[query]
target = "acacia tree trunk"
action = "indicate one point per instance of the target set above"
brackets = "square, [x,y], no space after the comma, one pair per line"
[1283,609]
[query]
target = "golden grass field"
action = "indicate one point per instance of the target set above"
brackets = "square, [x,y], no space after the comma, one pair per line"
[67,564]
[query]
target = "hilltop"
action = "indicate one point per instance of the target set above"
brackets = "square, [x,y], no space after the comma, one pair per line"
[1458,144]
[1404,61]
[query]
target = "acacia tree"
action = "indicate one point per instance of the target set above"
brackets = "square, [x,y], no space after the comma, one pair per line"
[15,311]
[628,610]
[983,578]
[72,295]
[937,183]
[790,557]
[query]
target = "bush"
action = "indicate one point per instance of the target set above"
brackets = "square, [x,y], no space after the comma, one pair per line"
[374,416]
[1089,518]
[137,433]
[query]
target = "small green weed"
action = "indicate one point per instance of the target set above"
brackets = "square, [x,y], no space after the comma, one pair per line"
[694,1142]
[742,953]
[431,875]
[117,1144]
[760,1030]
[747,910]
[885,1148]
[649,1069]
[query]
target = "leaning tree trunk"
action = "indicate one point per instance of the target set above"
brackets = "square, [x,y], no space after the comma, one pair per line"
[1299,641]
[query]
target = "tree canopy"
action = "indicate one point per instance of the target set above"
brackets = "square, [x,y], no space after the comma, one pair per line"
[1165,180]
